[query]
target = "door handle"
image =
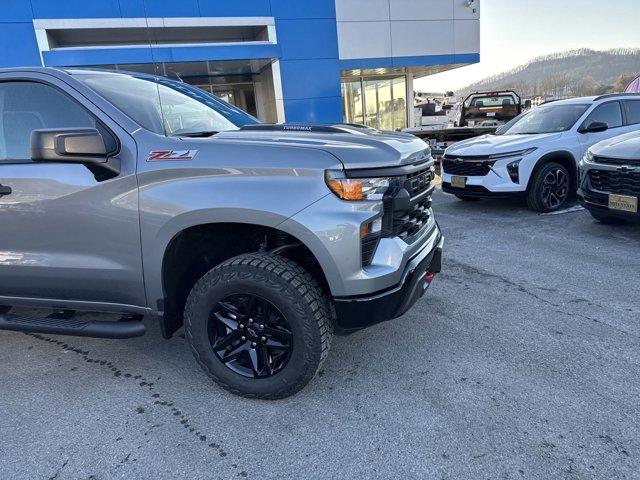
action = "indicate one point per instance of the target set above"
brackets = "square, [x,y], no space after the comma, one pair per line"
[5,190]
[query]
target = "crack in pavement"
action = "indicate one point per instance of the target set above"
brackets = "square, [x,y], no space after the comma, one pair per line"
[472,270]
[149,386]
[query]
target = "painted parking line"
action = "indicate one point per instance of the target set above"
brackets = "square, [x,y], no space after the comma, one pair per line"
[577,208]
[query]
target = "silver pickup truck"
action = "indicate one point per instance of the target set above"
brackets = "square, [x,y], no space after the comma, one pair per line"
[142,196]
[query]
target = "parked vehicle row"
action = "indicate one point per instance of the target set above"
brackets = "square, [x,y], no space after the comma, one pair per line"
[537,156]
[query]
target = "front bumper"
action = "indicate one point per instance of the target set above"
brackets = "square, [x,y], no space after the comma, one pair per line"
[356,313]
[598,200]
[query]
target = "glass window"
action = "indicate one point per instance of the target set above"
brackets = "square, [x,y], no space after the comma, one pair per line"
[167,107]
[28,106]
[608,113]
[352,102]
[549,118]
[632,110]
[385,102]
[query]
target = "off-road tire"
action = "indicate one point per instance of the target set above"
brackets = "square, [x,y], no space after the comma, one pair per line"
[288,286]
[534,193]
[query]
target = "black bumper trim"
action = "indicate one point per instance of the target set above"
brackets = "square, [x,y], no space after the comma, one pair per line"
[478,191]
[356,313]
[598,202]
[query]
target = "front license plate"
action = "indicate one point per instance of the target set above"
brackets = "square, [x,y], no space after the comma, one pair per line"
[459,182]
[623,203]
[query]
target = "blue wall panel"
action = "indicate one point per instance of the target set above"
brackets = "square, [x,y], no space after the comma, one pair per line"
[314,110]
[310,78]
[18,45]
[303,8]
[235,8]
[75,8]
[307,39]
[132,8]
[15,11]
[175,8]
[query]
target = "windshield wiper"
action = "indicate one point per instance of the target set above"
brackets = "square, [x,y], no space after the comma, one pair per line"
[202,134]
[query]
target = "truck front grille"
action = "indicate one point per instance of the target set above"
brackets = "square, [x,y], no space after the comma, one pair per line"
[408,224]
[468,167]
[615,182]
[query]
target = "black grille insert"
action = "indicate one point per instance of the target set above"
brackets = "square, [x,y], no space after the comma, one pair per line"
[617,161]
[622,183]
[469,167]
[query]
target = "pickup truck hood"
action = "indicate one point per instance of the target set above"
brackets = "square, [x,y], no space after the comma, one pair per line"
[625,146]
[356,147]
[496,144]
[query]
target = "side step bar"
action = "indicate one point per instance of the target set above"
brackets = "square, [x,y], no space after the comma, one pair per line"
[64,323]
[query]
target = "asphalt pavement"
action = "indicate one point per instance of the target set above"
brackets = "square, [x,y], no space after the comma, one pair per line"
[522,362]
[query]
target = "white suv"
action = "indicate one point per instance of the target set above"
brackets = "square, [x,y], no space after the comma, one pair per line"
[537,153]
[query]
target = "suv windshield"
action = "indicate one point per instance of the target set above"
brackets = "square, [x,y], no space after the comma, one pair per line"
[547,119]
[167,107]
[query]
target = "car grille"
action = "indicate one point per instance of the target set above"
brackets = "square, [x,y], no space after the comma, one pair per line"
[408,224]
[615,182]
[616,161]
[467,166]
[418,182]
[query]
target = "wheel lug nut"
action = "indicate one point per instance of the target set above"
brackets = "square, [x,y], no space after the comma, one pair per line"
[251,320]
[241,326]
[264,339]
[244,338]
[254,344]
[261,327]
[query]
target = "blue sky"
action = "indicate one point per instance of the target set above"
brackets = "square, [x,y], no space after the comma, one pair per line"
[515,31]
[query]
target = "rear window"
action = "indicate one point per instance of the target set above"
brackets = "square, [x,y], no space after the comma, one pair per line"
[632,110]
[491,101]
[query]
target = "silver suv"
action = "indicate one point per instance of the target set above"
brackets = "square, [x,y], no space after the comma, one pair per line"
[138,195]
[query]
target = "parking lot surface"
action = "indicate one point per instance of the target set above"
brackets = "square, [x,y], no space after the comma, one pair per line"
[522,362]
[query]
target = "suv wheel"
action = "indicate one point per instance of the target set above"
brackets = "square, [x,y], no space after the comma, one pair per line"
[259,325]
[549,188]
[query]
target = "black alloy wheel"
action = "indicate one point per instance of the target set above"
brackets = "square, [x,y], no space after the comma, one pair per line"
[250,336]
[549,187]
[555,188]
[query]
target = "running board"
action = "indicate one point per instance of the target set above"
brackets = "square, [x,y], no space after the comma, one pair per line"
[64,323]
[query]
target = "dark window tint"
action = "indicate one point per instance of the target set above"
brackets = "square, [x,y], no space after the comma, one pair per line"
[28,106]
[608,113]
[632,109]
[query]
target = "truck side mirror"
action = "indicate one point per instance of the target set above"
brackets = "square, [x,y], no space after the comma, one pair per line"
[527,104]
[595,127]
[68,145]
[85,146]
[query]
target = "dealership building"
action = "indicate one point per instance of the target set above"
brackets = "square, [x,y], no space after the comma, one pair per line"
[322,61]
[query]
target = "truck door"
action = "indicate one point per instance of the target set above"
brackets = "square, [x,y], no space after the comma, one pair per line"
[65,233]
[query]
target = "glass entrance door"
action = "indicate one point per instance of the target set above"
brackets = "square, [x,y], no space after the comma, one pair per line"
[379,103]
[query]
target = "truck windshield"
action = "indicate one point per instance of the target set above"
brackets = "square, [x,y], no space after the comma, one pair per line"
[547,119]
[167,107]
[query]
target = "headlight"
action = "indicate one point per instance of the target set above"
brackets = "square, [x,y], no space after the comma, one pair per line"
[357,189]
[588,157]
[519,153]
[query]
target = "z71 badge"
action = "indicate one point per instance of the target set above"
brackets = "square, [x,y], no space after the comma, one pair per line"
[165,155]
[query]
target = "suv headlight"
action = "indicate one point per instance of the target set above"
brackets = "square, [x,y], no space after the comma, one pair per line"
[357,189]
[519,153]
[588,157]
